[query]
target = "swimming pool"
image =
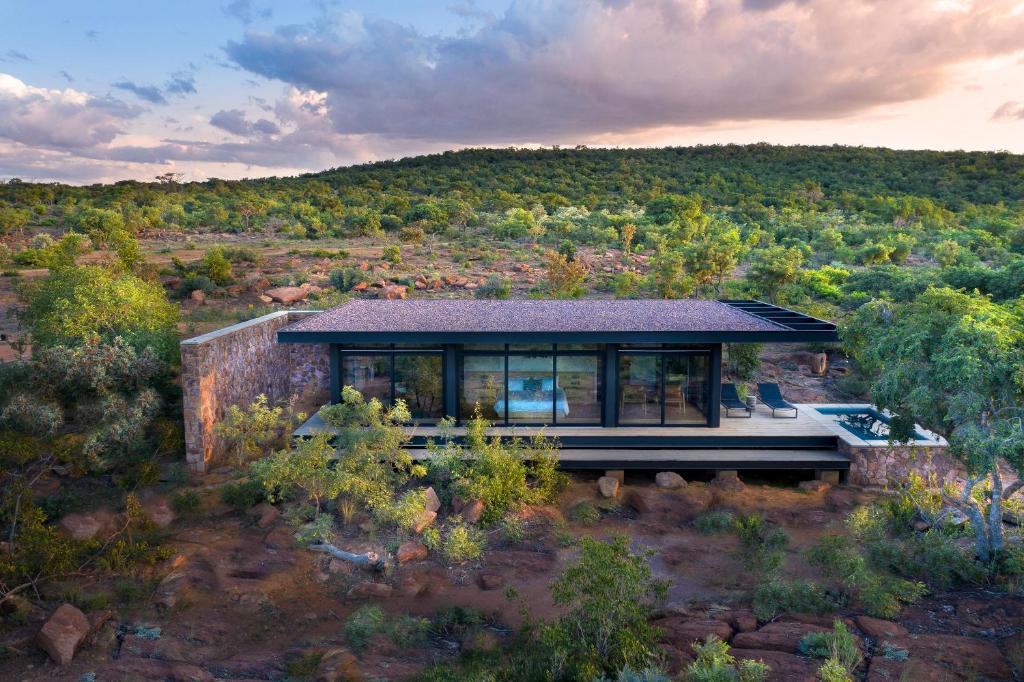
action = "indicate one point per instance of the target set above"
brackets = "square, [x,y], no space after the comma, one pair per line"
[852,418]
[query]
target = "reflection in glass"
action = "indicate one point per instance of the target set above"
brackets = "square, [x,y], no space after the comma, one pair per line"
[531,390]
[686,389]
[368,374]
[578,383]
[483,384]
[640,389]
[418,381]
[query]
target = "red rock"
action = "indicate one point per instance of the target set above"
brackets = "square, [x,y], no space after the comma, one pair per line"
[287,294]
[411,551]
[420,285]
[729,484]
[364,266]
[279,538]
[784,636]
[265,514]
[360,287]
[473,511]
[158,510]
[339,665]
[965,655]
[87,525]
[413,585]
[743,621]
[814,486]
[880,629]
[670,480]
[431,502]
[882,669]
[259,285]
[608,486]
[392,292]
[62,633]
[198,296]
[235,290]
[490,581]
[785,667]
[682,632]
[265,299]
[423,519]
[370,589]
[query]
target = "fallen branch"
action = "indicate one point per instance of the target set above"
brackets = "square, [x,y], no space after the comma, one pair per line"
[368,560]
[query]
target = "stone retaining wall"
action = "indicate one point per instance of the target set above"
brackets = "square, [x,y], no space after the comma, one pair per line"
[883,465]
[234,365]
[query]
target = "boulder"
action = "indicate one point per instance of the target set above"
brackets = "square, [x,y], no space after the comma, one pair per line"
[682,632]
[339,665]
[198,296]
[87,525]
[784,636]
[361,287]
[62,633]
[391,292]
[371,589]
[287,294]
[814,486]
[422,520]
[880,629]
[784,666]
[431,501]
[472,511]
[265,514]
[670,480]
[158,510]
[819,363]
[728,483]
[265,299]
[608,486]
[743,621]
[966,655]
[411,551]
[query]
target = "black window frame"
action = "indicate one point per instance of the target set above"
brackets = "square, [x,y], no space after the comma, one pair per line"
[662,354]
[392,351]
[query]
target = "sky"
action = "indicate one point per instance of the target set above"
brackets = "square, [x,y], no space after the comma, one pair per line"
[113,90]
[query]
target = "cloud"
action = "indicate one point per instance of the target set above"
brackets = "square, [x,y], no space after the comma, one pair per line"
[149,93]
[66,76]
[234,122]
[181,83]
[59,119]
[553,70]
[92,34]
[15,55]
[245,12]
[1009,111]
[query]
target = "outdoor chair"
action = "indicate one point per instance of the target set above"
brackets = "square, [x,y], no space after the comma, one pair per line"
[771,395]
[731,400]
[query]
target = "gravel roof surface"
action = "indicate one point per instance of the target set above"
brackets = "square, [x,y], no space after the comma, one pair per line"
[364,315]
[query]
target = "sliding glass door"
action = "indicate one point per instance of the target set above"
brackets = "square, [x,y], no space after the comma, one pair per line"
[667,388]
[415,376]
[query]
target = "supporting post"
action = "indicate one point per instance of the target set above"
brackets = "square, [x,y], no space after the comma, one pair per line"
[715,392]
[451,381]
[611,386]
[829,476]
[335,357]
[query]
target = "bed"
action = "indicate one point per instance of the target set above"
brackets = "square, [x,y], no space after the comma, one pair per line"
[530,399]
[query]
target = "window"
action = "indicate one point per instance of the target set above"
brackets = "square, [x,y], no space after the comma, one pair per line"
[416,377]
[531,384]
[663,388]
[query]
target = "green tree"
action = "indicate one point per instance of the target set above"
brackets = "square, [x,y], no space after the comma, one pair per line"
[773,268]
[609,596]
[951,362]
[13,219]
[668,274]
[250,431]
[566,278]
[77,304]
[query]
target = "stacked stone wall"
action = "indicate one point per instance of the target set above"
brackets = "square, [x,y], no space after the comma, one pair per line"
[234,365]
[885,465]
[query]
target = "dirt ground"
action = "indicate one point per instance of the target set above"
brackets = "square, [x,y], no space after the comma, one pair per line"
[241,602]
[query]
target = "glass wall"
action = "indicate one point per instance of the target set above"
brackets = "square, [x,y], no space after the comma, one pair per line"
[669,388]
[417,377]
[532,384]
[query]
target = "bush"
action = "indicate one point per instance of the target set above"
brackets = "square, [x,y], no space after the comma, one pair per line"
[363,624]
[744,360]
[714,663]
[343,279]
[715,522]
[412,235]
[186,502]
[407,631]
[392,254]
[462,543]
[773,598]
[585,513]
[838,645]
[242,496]
[494,287]
[762,544]
[216,266]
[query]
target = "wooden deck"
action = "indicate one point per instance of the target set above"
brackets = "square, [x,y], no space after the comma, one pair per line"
[760,442]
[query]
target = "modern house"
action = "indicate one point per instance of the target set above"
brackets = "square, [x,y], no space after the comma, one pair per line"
[622,384]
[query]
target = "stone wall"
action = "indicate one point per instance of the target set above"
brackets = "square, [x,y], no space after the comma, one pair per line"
[234,365]
[884,465]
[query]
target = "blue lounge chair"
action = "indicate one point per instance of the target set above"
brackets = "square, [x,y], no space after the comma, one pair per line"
[771,395]
[731,400]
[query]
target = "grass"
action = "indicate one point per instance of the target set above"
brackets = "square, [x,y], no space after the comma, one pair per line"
[715,522]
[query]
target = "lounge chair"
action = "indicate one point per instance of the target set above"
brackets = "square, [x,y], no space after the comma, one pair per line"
[771,396]
[731,400]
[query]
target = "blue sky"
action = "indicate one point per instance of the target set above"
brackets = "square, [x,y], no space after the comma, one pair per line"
[111,90]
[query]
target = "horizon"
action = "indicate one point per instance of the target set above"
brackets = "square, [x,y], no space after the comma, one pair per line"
[249,89]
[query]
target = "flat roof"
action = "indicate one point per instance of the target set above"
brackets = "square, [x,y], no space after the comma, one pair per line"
[576,321]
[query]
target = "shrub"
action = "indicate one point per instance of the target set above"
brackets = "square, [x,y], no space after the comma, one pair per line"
[714,663]
[744,360]
[407,631]
[343,279]
[585,513]
[833,670]
[412,234]
[628,674]
[494,287]
[186,502]
[762,544]
[773,597]
[838,645]
[363,624]
[462,543]
[392,254]
[216,266]
[513,528]
[251,431]
[242,496]
[715,522]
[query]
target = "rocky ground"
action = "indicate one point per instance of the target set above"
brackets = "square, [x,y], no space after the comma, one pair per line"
[239,600]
